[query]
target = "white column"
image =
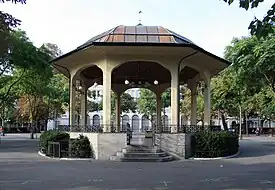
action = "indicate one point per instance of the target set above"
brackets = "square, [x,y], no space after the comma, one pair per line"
[193,104]
[174,101]
[159,107]
[118,113]
[107,100]
[207,103]
[83,106]
[72,101]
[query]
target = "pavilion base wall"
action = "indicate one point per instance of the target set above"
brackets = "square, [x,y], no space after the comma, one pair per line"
[175,144]
[104,145]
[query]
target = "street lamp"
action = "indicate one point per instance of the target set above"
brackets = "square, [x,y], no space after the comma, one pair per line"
[126,82]
[156,82]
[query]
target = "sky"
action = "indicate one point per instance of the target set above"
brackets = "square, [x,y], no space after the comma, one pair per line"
[211,24]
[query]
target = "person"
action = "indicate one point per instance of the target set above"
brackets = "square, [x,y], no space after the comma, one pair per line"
[129,133]
[257,131]
[2,133]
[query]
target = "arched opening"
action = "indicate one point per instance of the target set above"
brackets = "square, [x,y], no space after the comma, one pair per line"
[125,121]
[135,123]
[92,75]
[145,123]
[141,74]
[96,120]
[136,77]
[187,73]
[188,78]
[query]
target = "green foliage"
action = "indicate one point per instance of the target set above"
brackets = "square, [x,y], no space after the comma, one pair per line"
[53,136]
[81,148]
[127,103]
[22,56]
[225,92]
[147,101]
[185,105]
[259,28]
[7,24]
[250,81]
[214,144]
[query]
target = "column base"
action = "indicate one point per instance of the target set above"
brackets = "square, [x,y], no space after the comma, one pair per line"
[177,144]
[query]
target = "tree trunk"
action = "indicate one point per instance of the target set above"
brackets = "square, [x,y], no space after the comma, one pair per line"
[31,128]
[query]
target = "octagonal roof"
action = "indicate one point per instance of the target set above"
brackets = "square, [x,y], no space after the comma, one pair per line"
[138,34]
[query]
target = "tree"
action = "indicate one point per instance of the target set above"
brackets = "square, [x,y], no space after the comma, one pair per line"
[127,103]
[34,84]
[185,105]
[7,24]
[248,84]
[22,55]
[260,28]
[253,61]
[56,97]
[52,49]
[147,103]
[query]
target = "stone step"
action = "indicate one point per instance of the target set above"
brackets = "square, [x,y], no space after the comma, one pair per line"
[144,150]
[144,154]
[115,158]
[147,159]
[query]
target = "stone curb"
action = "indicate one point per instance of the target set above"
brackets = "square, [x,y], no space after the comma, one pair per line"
[82,159]
[217,158]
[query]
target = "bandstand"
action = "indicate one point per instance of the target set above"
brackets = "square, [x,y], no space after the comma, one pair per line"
[139,56]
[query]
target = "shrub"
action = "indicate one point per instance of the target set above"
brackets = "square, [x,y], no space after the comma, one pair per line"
[81,148]
[51,135]
[214,144]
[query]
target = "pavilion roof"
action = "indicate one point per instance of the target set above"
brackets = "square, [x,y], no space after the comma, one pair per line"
[138,34]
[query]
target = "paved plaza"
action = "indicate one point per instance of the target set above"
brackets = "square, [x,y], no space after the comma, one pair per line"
[22,168]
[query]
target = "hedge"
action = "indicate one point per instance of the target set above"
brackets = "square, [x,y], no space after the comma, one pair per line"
[76,148]
[81,148]
[54,136]
[214,144]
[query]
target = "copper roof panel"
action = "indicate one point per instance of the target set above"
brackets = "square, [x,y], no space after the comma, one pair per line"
[141,30]
[130,30]
[119,30]
[162,30]
[139,34]
[130,38]
[111,38]
[104,38]
[165,39]
[153,39]
[142,39]
[152,29]
[118,38]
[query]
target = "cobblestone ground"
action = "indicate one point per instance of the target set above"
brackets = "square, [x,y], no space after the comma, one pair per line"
[22,168]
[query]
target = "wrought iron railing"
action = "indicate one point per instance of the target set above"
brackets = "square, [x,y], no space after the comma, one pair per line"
[90,128]
[186,128]
[157,129]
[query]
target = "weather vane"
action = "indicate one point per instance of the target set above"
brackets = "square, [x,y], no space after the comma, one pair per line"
[139,13]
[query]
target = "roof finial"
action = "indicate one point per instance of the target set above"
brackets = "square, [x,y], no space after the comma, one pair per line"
[139,20]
